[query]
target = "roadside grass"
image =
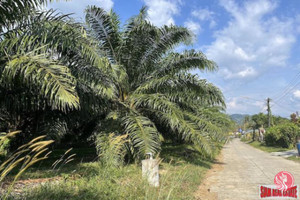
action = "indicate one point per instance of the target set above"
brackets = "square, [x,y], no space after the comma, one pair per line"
[294,158]
[181,172]
[263,147]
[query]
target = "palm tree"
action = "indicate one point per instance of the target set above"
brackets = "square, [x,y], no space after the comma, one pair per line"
[47,63]
[154,93]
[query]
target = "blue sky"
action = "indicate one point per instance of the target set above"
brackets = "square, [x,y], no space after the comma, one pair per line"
[255,43]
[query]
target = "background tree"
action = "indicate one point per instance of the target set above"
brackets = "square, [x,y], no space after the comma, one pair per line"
[294,118]
[260,120]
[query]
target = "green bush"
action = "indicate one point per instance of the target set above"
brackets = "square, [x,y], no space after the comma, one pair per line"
[283,135]
[246,137]
[111,149]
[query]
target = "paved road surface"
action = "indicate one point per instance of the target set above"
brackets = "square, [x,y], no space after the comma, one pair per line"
[245,168]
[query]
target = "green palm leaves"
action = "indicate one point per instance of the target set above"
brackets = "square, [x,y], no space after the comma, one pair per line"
[40,52]
[142,132]
[106,29]
[54,81]
[155,88]
[49,62]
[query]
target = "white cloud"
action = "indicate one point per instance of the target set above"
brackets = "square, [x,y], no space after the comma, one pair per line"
[246,73]
[193,26]
[253,42]
[296,94]
[106,4]
[161,12]
[241,105]
[205,15]
[236,105]
[212,24]
[232,104]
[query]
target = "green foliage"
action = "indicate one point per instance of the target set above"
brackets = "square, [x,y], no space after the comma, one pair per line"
[261,120]
[277,120]
[247,137]
[55,82]
[64,78]
[5,141]
[262,146]
[181,172]
[294,118]
[155,93]
[48,67]
[111,149]
[283,135]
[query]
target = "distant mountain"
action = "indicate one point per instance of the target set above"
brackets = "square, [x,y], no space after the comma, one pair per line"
[238,118]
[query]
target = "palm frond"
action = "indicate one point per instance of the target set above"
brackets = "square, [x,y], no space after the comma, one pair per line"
[191,127]
[189,130]
[183,88]
[142,133]
[183,62]
[55,81]
[111,148]
[105,30]
[167,38]
[14,11]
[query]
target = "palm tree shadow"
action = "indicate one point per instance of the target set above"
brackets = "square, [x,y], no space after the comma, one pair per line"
[219,163]
[181,154]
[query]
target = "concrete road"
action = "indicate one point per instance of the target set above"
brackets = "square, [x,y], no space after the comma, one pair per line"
[245,168]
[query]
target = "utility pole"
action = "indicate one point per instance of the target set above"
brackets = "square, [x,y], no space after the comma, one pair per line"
[269,112]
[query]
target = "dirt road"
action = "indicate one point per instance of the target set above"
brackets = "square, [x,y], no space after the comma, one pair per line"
[240,171]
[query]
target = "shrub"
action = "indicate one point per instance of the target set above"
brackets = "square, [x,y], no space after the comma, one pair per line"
[283,135]
[111,149]
[246,137]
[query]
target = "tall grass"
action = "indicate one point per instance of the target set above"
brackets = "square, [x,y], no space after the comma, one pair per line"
[110,183]
[181,173]
[24,157]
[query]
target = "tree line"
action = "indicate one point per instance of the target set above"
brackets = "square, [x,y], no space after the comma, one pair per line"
[283,132]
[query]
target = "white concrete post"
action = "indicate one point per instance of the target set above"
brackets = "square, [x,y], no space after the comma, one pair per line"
[150,170]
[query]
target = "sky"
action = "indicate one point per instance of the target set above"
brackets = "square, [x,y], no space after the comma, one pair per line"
[255,43]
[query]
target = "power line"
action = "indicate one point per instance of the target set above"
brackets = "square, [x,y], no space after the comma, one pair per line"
[287,109]
[251,98]
[268,106]
[287,86]
[287,91]
[291,89]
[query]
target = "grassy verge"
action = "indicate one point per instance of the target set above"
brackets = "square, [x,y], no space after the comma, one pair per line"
[294,158]
[263,147]
[181,172]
